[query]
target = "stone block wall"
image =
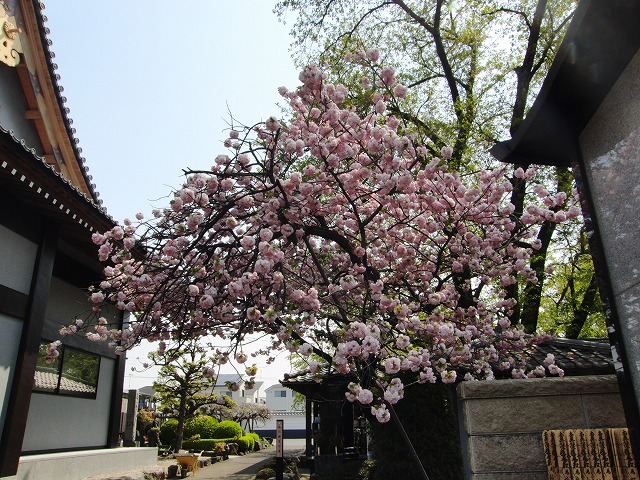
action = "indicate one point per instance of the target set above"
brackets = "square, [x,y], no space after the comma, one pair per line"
[502,420]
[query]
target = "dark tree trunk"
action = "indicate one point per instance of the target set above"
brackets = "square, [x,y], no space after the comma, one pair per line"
[532,294]
[182,409]
[581,313]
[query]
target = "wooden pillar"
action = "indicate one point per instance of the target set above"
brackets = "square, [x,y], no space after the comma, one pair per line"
[116,396]
[22,385]
[308,427]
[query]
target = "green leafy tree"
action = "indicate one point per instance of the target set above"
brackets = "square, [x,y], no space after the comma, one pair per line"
[471,68]
[182,384]
[144,421]
[575,296]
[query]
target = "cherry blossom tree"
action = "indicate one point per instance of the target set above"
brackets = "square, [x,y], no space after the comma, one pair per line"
[334,234]
[250,414]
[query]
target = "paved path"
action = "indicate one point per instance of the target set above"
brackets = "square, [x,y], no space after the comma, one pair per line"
[241,467]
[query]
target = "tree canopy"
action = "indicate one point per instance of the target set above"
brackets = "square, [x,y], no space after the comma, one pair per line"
[471,69]
[182,383]
[336,233]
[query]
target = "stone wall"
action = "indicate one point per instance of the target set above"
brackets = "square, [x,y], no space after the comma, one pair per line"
[502,420]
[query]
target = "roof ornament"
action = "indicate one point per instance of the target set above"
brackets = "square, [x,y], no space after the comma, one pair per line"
[10,46]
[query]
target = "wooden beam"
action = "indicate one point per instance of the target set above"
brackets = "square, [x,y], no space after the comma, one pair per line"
[32,115]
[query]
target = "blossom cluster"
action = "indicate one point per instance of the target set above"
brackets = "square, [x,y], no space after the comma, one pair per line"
[335,233]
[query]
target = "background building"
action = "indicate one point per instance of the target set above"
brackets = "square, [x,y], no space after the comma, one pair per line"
[243,394]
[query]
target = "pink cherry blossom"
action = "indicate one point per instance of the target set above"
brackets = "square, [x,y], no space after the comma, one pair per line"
[334,232]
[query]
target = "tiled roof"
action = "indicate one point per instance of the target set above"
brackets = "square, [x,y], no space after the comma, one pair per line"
[62,100]
[49,381]
[305,376]
[52,171]
[28,177]
[575,357]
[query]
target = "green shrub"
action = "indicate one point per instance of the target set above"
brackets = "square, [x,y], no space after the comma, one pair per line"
[202,425]
[144,421]
[246,443]
[168,431]
[257,442]
[265,474]
[227,429]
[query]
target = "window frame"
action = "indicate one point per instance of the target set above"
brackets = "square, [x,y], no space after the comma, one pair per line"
[60,373]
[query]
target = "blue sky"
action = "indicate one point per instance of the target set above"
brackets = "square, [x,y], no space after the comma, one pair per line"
[151,87]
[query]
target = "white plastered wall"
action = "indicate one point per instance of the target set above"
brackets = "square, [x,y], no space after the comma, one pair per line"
[11,330]
[57,421]
[17,258]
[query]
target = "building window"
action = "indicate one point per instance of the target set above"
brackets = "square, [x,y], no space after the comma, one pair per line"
[228,393]
[73,373]
[280,393]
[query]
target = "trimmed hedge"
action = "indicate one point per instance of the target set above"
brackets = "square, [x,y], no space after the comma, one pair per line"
[205,443]
[265,474]
[228,429]
[257,442]
[246,443]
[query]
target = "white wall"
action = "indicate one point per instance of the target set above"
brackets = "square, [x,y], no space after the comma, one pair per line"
[282,404]
[57,421]
[88,463]
[294,424]
[66,302]
[17,259]
[11,329]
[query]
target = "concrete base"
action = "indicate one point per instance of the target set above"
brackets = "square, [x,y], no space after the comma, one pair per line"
[83,464]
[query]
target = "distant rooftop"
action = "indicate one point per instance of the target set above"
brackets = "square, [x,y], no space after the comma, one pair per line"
[575,357]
